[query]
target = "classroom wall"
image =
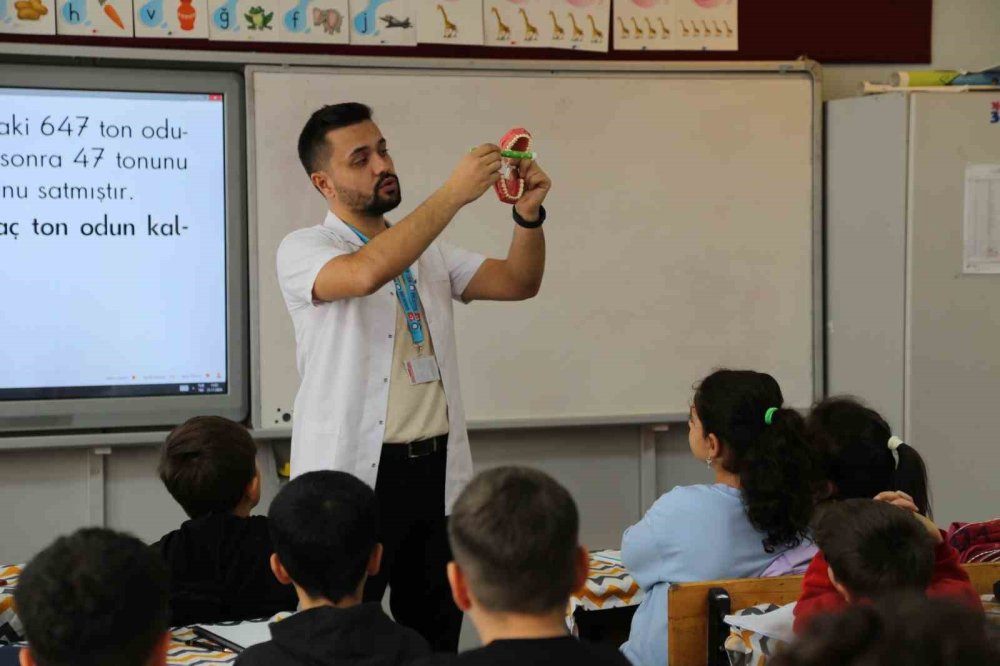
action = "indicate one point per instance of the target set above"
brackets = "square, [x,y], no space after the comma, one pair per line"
[965,35]
[45,493]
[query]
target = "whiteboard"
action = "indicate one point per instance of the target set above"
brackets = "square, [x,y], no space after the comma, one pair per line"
[682,229]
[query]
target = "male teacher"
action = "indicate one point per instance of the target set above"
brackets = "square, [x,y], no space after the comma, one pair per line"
[372,308]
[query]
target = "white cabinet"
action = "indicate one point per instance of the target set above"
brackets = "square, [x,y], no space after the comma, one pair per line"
[906,329]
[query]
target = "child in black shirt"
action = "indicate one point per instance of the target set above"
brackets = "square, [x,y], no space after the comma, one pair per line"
[514,537]
[324,526]
[219,560]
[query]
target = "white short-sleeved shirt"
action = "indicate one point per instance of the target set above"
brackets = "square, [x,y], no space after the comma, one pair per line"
[344,354]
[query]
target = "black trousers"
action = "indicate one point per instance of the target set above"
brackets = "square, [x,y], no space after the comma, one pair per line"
[414,536]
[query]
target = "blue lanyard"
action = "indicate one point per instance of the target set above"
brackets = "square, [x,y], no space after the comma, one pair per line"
[409,299]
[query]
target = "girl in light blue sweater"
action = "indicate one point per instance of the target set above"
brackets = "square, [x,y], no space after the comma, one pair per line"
[766,478]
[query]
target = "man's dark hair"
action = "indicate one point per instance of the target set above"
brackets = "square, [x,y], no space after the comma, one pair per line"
[900,629]
[514,533]
[324,526]
[874,547]
[207,463]
[314,149]
[94,598]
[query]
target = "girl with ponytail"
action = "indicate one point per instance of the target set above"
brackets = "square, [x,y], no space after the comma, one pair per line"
[860,456]
[759,506]
[862,459]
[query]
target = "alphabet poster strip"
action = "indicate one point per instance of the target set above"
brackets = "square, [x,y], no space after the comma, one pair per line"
[28,17]
[384,22]
[707,25]
[582,25]
[91,18]
[646,25]
[316,21]
[174,19]
[517,23]
[244,20]
[450,22]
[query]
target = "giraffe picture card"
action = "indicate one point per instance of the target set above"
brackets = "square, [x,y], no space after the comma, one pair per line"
[28,17]
[645,25]
[450,22]
[244,20]
[171,19]
[707,25]
[581,25]
[314,21]
[384,22]
[524,23]
[93,18]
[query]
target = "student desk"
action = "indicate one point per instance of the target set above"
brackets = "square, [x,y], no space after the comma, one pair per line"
[186,648]
[611,590]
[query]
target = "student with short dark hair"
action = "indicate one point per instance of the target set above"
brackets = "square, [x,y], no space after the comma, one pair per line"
[514,536]
[873,548]
[324,526]
[219,559]
[94,598]
[900,629]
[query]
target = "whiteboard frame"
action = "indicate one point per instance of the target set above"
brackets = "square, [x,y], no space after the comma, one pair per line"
[395,65]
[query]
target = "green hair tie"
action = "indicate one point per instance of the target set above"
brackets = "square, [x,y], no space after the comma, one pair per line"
[769,415]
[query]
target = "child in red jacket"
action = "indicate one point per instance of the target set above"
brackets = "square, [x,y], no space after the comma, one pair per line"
[869,548]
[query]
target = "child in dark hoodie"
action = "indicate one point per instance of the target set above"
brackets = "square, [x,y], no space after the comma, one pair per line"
[219,561]
[514,534]
[324,527]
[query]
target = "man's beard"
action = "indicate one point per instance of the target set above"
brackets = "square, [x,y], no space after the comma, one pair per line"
[375,204]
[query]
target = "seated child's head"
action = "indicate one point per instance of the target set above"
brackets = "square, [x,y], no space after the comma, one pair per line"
[94,598]
[324,527]
[873,548]
[514,538]
[739,425]
[209,465]
[905,629]
[859,453]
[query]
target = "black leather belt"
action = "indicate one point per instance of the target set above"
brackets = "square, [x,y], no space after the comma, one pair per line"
[423,447]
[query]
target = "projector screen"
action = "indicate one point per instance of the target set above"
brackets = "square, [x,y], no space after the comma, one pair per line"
[121,237]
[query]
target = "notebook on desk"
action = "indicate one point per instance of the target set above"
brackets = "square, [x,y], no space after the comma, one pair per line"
[235,637]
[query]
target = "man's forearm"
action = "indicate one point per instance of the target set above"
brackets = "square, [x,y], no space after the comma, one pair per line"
[395,249]
[526,259]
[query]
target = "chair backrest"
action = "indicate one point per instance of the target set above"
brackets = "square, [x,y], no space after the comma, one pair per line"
[983,576]
[687,604]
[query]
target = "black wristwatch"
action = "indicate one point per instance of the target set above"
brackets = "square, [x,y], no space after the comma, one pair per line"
[529,225]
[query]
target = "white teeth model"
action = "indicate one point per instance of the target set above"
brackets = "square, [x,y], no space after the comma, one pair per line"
[506,168]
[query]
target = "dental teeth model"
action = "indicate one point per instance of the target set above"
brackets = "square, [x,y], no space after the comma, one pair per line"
[510,187]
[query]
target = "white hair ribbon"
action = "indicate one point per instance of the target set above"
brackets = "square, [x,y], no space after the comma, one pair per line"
[894,443]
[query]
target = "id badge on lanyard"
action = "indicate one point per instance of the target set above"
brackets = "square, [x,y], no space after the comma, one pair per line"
[423,369]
